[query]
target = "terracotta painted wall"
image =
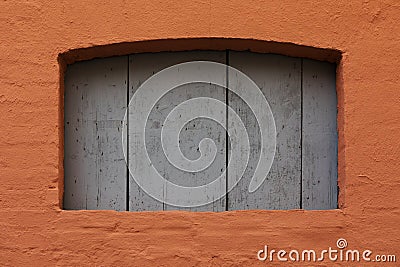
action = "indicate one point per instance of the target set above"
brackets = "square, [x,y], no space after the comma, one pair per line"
[39,37]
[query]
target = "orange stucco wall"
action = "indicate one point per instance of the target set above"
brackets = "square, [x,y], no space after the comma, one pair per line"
[38,38]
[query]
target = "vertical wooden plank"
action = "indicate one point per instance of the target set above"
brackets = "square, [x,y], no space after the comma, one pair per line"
[279,78]
[319,190]
[95,103]
[141,67]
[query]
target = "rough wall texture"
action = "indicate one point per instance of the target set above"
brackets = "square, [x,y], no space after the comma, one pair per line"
[35,231]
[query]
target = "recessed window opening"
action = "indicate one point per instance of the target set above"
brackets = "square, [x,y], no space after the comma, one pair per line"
[223,130]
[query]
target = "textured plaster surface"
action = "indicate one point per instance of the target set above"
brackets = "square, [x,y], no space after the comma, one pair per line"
[38,39]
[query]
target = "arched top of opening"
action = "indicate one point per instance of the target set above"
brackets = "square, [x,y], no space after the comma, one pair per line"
[186,44]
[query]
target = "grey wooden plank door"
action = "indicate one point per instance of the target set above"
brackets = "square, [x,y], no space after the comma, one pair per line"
[279,78]
[95,102]
[319,142]
[300,92]
[141,67]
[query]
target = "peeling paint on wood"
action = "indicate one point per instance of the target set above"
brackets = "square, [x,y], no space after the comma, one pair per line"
[301,94]
[319,142]
[278,77]
[141,67]
[95,102]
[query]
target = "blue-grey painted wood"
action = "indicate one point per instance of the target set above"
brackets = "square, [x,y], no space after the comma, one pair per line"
[304,171]
[279,78]
[95,102]
[141,67]
[319,140]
